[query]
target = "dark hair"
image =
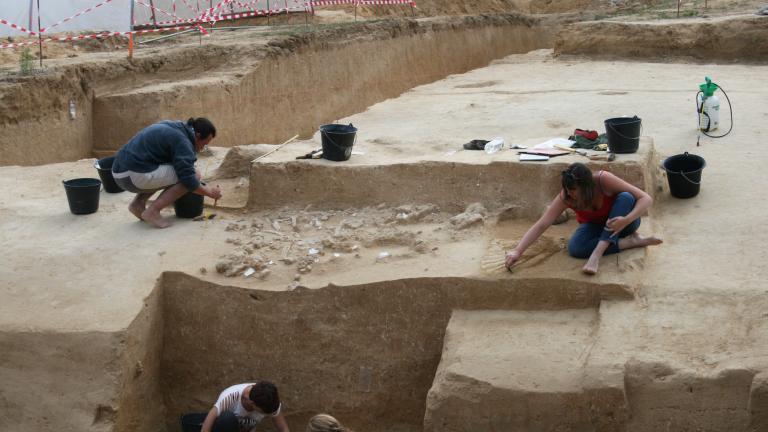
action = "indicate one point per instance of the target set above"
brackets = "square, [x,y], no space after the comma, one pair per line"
[202,126]
[264,395]
[579,176]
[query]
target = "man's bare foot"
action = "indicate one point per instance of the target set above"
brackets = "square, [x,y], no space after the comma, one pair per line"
[154,218]
[591,266]
[136,208]
[634,240]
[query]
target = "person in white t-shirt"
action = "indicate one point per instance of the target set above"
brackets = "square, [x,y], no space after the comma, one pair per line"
[241,407]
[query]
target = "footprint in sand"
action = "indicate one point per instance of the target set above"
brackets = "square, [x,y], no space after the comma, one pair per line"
[537,253]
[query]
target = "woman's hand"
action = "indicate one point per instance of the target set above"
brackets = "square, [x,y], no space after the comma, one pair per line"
[511,258]
[214,192]
[617,224]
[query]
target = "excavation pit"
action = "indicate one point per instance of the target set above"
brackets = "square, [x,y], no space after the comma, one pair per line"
[400,319]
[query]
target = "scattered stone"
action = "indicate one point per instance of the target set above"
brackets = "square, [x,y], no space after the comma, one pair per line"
[476,208]
[234,227]
[352,224]
[306,269]
[203,270]
[391,236]
[235,270]
[512,212]
[473,215]
[421,247]
[161,253]
[342,245]
[223,266]
[264,274]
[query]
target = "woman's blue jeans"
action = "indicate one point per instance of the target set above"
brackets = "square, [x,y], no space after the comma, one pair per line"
[587,235]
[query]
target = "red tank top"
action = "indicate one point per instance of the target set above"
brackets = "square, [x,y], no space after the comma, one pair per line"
[600,215]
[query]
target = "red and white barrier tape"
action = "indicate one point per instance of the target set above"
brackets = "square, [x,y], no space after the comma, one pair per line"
[228,16]
[189,6]
[102,35]
[360,2]
[43,30]
[164,12]
[331,2]
[17,27]
[210,11]
[387,2]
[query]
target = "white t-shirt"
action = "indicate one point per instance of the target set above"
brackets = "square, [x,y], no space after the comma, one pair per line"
[229,400]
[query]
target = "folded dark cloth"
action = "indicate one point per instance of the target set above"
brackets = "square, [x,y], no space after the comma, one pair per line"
[584,143]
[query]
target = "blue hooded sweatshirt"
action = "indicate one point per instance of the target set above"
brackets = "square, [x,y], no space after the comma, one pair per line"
[163,143]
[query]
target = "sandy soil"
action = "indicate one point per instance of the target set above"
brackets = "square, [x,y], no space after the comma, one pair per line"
[589,9]
[676,283]
[678,332]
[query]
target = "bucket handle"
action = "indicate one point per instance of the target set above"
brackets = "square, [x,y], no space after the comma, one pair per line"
[626,137]
[691,181]
[101,185]
[334,142]
[682,173]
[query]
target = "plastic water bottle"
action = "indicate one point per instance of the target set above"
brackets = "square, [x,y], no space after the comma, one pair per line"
[494,145]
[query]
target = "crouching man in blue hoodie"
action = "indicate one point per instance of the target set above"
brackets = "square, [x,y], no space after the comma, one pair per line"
[162,156]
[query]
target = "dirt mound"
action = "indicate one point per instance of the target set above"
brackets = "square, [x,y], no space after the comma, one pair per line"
[237,162]
[722,40]
[560,6]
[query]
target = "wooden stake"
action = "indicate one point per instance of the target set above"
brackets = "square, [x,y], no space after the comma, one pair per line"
[678,8]
[287,12]
[39,34]
[276,149]
[130,45]
[154,18]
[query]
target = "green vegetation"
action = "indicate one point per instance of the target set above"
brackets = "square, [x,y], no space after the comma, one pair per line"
[26,62]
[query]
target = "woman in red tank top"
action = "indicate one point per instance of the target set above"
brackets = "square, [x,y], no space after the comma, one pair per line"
[608,211]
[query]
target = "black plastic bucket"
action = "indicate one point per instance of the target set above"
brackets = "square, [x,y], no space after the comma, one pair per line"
[83,195]
[337,141]
[189,205]
[623,134]
[684,174]
[192,422]
[104,167]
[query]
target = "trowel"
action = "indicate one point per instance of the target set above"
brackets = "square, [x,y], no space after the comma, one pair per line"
[314,154]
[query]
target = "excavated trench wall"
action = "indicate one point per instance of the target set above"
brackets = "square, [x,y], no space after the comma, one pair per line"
[366,353]
[320,80]
[297,82]
[526,188]
[60,365]
[727,40]
[83,381]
